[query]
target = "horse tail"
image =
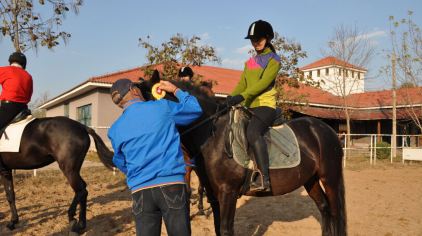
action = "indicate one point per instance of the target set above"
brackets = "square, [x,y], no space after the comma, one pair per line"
[342,217]
[106,156]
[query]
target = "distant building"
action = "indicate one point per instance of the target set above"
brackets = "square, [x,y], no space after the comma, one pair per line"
[339,77]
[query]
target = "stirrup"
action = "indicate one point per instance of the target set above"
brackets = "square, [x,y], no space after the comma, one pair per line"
[257,183]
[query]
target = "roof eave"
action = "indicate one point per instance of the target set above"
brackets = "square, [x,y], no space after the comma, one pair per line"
[80,89]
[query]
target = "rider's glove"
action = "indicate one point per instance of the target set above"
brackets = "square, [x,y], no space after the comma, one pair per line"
[232,101]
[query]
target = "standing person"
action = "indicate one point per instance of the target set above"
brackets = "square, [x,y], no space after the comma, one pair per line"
[256,90]
[16,84]
[150,155]
[185,74]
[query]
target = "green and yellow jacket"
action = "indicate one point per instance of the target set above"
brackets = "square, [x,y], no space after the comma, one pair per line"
[256,84]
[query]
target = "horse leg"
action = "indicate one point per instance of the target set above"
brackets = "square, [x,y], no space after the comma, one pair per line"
[315,191]
[334,190]
[7,179]
[201,200]
[81,194]
[187,181]
[227,212]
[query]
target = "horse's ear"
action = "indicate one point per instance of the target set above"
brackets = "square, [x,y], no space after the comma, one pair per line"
[155,78]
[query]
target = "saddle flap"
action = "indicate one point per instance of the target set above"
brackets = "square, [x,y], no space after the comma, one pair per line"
[283,148]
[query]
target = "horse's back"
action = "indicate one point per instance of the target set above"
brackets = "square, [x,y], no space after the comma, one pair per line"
[320,139]
[46,140]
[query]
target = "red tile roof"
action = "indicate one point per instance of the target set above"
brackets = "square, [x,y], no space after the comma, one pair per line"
[330,61]
[226,79]
[323,104]
[338,114]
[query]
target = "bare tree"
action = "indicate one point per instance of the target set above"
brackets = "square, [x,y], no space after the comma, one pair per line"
[35,104]
[178,51]
[354,50]
[28,28]
[406,46]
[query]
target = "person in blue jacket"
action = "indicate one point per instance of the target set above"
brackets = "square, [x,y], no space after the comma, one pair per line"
[147,150]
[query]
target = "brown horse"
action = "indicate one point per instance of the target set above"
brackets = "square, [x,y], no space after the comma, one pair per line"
[320,170]
[57,139]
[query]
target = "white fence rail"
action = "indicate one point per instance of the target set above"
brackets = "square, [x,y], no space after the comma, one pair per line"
[409,147]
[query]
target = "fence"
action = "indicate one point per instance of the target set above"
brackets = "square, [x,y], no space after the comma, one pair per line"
[360,145]
[371,145]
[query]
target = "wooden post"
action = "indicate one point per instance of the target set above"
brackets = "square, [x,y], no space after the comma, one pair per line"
[371,148]
[394,128]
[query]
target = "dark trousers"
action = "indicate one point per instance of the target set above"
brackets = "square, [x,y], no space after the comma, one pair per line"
[169,203]
[8,111]
[260,121]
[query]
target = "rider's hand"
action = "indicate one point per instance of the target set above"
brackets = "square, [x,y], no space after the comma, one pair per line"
[167,86]
[232,101]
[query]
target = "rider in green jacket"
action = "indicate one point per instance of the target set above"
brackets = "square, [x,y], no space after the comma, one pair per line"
[256,90]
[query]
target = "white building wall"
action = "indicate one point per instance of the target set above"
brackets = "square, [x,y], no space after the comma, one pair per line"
[333,82]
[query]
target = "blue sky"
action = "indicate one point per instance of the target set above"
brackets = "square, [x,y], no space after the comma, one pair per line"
[105,33]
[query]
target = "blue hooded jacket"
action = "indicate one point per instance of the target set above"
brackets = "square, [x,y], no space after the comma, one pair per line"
[146,142]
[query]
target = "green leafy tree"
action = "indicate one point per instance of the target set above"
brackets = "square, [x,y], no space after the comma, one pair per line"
[178,51]
[27,28]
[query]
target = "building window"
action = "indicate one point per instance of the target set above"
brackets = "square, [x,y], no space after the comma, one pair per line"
[358,75]
[310,74]
[353,74]
[318,73]
[66,109]
[339,72]
[346,73]
[327,71]
[84,114]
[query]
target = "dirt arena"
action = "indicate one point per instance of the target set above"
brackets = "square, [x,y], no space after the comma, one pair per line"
[381,200]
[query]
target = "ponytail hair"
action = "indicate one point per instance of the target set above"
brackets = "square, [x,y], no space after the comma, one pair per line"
[271,46]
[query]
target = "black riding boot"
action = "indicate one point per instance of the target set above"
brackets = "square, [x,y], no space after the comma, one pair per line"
[262,161]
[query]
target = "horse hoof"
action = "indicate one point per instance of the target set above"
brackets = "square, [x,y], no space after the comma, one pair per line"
[11,226]
[73,234]
[76,227]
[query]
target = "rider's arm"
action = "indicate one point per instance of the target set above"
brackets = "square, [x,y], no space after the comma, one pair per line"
[269,75]
[241,86]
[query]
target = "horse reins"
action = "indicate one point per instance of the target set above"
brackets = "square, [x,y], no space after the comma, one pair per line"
[215,115]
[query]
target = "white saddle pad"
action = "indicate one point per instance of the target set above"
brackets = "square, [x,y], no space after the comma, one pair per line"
[11,139]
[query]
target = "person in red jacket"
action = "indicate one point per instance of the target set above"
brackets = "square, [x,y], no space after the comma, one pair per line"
[16,91]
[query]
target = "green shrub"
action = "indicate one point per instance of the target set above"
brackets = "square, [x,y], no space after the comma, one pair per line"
[383,150]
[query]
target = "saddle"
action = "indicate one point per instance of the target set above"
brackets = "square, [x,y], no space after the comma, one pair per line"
[238,122]
[19,117]
[282,145]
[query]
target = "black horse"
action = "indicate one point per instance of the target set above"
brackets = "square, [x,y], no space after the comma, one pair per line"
[58,139]
[320,170]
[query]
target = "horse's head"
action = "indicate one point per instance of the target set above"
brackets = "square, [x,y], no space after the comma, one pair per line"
[208,104]
[195,134]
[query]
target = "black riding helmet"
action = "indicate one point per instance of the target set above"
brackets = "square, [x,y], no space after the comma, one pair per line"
[18,57]
[185,71]
[259,29]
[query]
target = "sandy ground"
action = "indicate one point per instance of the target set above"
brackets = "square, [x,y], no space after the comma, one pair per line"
[381,200]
